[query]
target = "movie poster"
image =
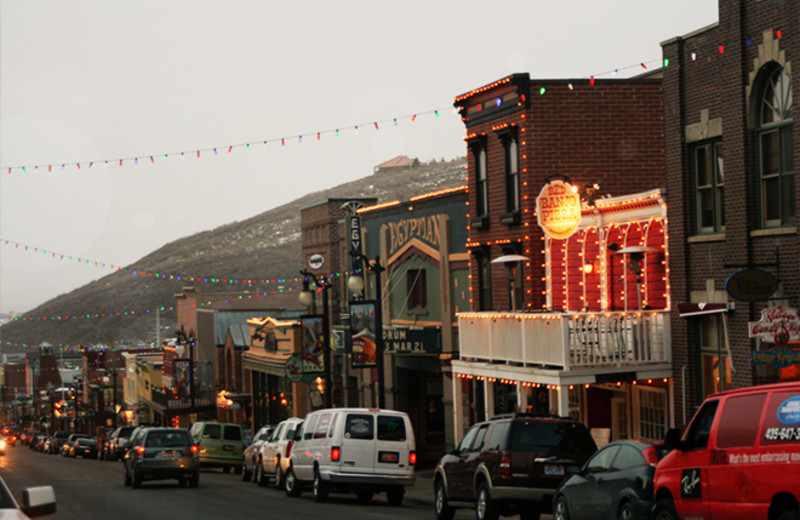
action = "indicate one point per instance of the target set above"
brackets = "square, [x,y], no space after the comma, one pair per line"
[183,386]
[313,344]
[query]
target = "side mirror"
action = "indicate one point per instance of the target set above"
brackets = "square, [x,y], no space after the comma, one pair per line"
[672,440]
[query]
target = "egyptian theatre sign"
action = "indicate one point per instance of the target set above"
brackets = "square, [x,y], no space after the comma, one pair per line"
[558,209]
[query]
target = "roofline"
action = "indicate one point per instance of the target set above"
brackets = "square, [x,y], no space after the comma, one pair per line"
[690,35]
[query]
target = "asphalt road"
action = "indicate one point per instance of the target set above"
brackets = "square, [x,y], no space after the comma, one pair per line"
[94,490]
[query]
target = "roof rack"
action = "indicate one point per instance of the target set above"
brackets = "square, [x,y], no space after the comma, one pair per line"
[514,415]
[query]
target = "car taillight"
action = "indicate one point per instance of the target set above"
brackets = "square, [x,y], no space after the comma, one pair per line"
[651,456]
[140,449]
[194,449]
[13,438]
[412,457]
[289,448]
[336,453]
[504,468]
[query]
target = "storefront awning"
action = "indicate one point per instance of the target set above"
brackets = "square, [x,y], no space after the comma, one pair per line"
[263,366]
[688,310]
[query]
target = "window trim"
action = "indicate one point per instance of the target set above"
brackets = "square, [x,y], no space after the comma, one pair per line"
[509,135]
[479,148]
[714,148]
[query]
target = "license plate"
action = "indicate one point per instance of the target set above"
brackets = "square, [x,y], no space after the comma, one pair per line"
[228,447]
[388,456]
[169,455]
[550,469]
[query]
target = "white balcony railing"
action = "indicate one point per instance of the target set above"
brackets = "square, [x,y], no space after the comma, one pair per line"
[568,340]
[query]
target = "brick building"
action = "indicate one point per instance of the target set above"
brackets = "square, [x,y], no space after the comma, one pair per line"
[728,93]
[524,345]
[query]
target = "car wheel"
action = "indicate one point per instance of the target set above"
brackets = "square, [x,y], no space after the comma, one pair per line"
[364,496]
[626,512]
[261,477]
[245,474]
[136,480]
[440,507]
[664,510]
[195,480]
[560,510]
[790,515]
[320,488]
[395,498]
[291,485]
[279,477]
[127,479]
[485,508]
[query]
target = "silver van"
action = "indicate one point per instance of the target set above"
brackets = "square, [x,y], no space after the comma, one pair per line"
[359,450]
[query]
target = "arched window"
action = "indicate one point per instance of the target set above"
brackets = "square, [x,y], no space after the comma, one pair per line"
[775,152]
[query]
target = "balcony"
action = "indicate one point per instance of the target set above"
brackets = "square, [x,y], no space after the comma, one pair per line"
[566,341]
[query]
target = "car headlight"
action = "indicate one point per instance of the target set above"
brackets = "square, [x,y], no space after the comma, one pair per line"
[2,444]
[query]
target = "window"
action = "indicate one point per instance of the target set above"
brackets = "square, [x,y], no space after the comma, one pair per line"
[467,440]
[652,412]
[212,431]
[417,289]
[478,147]
[359,426]
[775,152]
[628,458]
[484,281]
[391,428]
[308,427]
[602,461]
[716,365]
[233,433]
[480,438]
[322,426]
[700,429]
[738,424]
[512,175]
[709,179]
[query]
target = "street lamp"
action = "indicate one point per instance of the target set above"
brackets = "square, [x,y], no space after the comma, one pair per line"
[307,299]
[356,284]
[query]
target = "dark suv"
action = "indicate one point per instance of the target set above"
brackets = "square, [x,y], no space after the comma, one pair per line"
[509,465]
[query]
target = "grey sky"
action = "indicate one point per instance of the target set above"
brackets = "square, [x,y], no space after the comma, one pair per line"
[84,81]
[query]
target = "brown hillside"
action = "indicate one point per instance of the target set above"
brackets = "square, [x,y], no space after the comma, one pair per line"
[264,247]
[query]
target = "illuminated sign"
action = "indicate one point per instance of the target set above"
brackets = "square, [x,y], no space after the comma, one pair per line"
[423,228]
[558,209]
[779,325]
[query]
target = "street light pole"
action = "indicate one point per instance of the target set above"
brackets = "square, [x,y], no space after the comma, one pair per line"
[324,284]
[376,268]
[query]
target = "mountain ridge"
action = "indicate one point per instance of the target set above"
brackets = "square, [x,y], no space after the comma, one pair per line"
[122,308]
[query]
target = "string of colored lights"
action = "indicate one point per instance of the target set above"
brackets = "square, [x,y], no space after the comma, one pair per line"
[316,135]
[153,158]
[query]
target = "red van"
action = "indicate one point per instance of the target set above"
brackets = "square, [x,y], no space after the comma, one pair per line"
[738,459]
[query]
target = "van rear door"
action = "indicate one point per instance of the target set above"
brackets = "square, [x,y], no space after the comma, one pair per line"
[358,443]
[395,442]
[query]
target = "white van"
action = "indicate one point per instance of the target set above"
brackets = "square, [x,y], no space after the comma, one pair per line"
[363,450]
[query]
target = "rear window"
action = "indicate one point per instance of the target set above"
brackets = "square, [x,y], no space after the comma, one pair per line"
[359,426]
[167,439]
[125,431]
[322,426]
[233,433]
[212,431]
[551,437]
[391,428]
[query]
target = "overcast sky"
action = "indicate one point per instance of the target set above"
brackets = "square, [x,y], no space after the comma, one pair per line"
[92,82]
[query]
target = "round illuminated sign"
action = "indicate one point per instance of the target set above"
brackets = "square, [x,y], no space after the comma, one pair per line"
[558,209]
[316,261]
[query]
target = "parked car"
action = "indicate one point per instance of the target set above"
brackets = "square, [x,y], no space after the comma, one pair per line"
[162,453]
[26,436]
[353,449]
[37,444]
[84,447]
[66,449]
[251,454]
[274,457]
[220,445]
[737,458]
[9,435]
[616,482]
[115,444]
[510,464]
[36,501]
[57,441]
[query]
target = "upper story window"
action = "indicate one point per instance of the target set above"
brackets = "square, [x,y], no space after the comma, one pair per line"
[481,182]
[417,287]
[484,280]
[709,182]
[509,136]
[775,152]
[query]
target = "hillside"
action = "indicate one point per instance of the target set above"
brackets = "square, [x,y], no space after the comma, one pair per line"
[264,247]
